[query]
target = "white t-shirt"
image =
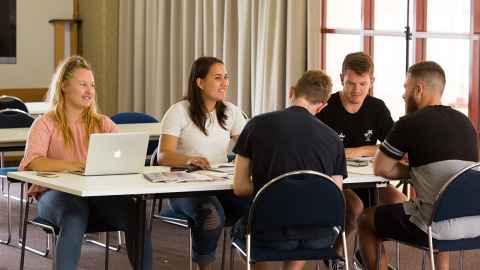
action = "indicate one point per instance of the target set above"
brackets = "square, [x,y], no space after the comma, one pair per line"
[192,141]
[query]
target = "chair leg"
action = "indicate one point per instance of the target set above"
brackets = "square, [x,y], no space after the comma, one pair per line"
[397,251]
[190,252]
[424,260]
[24,235]
[9,216]
[232,256]
[225,234]
[345,251]
[120,239]
[54,246]
[20,220]
[430,246]
[107,245]
[249,265]
[98,243]
[379,255]
[460,260]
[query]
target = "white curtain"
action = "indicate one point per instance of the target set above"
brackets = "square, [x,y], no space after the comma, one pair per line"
[262,42]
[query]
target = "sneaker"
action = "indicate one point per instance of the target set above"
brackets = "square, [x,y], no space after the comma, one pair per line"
[358,261]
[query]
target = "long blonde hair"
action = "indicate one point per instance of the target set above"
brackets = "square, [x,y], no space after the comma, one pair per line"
[56,98]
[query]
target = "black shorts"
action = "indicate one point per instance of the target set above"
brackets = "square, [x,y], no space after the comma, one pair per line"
[367,197]
[392,222]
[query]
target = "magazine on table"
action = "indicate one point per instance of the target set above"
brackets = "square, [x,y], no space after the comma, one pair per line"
[177,177]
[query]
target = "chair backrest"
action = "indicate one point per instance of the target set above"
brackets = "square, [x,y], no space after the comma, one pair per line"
[153,158]
[459,196]
[14,118]
[297,199]
[9,102]
[133,118]
[137,118]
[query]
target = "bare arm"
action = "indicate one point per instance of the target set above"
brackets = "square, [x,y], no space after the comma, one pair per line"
[55,165]
[338,180]
[242,182]
[388,167]
[168,155]
[362,151]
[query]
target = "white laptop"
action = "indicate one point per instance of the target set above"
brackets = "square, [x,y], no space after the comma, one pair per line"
[116,153]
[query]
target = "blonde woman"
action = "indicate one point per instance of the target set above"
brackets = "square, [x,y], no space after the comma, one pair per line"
[57,142]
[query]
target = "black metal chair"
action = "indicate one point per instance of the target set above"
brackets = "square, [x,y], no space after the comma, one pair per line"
[10,102]
[52,234]
[300,200]
[11,118]
[458,199]
[137,118]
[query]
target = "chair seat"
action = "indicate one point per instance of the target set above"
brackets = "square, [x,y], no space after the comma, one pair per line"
[447,245]
[168,215]
[259,254]
[47,226]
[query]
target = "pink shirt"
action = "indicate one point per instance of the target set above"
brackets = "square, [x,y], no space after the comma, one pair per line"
[45,139]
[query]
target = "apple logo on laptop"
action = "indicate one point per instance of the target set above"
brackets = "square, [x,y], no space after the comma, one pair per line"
[117,154]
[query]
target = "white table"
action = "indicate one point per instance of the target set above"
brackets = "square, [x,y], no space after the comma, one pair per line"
[121,185]
[13,139]
[37,108]
[137,186]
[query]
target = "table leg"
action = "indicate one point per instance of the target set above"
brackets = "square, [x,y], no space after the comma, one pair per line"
[140,239]
[24,234]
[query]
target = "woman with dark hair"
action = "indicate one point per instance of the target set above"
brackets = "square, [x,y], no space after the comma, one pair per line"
[197,131]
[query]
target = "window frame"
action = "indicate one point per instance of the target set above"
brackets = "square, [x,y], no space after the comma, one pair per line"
[417,39]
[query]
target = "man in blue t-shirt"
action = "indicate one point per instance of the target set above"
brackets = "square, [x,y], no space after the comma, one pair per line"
[293,139]
[439,141]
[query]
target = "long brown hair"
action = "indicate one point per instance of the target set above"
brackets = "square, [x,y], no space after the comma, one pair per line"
[56,97]
[198,111]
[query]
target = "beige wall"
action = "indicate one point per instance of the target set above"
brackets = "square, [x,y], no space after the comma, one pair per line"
[35,43]
[99,42]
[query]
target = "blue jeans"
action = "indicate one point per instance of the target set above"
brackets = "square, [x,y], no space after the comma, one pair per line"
[208,215]
[73,214]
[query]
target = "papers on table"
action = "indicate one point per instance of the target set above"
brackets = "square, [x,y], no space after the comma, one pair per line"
[228,168]
[180,177]
[177,177]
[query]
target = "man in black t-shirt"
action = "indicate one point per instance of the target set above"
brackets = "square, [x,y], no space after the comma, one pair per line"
[359,119]
[439,142]
[293,139]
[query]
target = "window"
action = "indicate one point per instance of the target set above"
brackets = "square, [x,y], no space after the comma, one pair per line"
[378,28]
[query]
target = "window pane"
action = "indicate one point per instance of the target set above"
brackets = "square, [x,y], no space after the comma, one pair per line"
[344,14]
[456,64]
[389,60]
[448,16]
[337,47]
[390,15]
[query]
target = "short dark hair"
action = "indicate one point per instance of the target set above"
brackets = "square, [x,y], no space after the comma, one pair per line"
[358,62]
[314,85]
[428,71]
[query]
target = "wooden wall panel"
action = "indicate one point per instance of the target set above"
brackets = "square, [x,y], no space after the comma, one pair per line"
[26,94]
